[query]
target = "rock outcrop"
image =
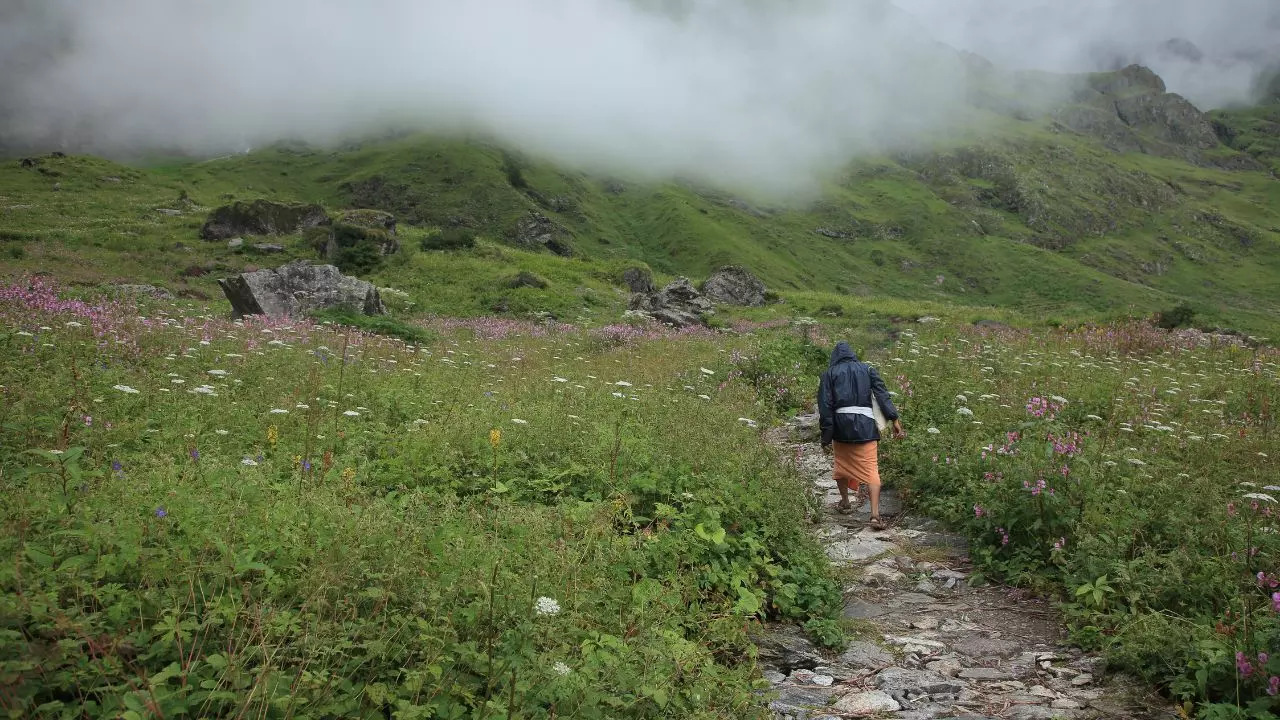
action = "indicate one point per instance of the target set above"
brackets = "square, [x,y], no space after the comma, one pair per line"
[734,285]
[369,219]
[538,231]
[1130,110]
[261,217]
[298,288]
[638,279]
[678,304]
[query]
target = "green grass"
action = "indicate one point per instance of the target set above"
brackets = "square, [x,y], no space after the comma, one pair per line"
[1253,131]
[1020,216]
[344,525]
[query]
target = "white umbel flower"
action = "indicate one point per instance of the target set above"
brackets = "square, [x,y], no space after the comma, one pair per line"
[546,606]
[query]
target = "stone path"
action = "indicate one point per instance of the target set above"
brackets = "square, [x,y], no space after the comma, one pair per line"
[932,646]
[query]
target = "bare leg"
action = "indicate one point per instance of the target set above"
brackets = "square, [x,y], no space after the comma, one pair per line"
[844,489]
[874,483]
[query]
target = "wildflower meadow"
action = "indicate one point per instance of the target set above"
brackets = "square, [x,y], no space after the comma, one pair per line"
[505,519]
[210,518]
[1130,471]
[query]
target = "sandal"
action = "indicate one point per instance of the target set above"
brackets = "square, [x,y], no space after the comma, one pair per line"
[844,507]
[877,523]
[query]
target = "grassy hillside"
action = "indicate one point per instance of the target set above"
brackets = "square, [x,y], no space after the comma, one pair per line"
[1030,215]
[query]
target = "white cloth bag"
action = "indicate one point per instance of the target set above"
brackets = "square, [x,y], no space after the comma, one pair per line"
[878,415]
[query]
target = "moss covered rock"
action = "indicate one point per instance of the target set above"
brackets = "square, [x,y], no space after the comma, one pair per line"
[370,220]
[262,217]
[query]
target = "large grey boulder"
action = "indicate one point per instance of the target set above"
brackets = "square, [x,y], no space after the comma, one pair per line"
[678,304]
[298,288]
[734,285]
[638,279]
[261,217]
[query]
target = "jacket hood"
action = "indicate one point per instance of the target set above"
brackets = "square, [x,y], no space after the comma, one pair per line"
[841,353]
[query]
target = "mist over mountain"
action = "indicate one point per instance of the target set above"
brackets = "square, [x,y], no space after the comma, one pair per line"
[1213,53]
[772,95]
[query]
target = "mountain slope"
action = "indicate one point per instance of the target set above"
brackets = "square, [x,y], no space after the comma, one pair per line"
[1077,214]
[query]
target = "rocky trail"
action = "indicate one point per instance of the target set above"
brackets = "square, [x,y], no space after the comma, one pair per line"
[931,645]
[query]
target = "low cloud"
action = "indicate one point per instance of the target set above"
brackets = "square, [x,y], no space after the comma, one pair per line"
[746,93]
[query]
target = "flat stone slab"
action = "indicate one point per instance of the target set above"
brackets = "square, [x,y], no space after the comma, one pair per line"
[915,644]
[803,697]
[866,703]
[902,682]
[858,549]
[785,648]
[866,655]
[982,673]
[980,647]
[864,610]
[883,573]
[911,598]
[1038,712]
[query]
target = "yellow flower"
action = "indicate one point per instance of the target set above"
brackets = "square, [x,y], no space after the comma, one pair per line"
[495,437]
[272,435]
[348,474]
[297,460]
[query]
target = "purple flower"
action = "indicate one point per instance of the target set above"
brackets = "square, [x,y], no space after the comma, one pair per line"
[116,466]
[160,512]
[1273,687]
[306,466]
[1243,666]
[195,454]
[88,420]
[1275,601]
[1263,658]
[978,510]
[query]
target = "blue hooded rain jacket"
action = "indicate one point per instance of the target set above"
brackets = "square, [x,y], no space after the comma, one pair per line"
[850,383]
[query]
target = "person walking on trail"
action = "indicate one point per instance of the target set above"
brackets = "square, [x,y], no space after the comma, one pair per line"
[848,422]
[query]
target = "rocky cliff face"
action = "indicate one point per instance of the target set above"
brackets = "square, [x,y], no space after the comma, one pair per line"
[1130,111]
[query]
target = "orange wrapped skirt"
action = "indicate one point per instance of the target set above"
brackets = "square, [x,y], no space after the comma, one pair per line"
[856,464]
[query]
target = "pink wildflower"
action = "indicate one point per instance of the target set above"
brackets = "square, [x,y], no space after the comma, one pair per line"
[1243,666]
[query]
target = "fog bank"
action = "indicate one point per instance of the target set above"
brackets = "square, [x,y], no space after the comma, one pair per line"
[762,93]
